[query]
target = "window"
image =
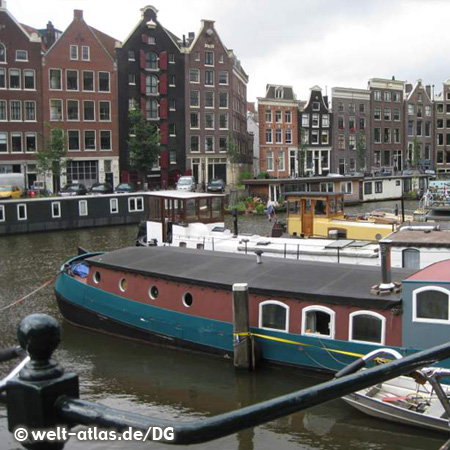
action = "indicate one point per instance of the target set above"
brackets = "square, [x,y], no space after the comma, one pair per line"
[377,96]
[209,143]
[103,81]
[362,123]
[14,78]
[315,137]
[325,139]
[268,115]
[397,135]
[410,110]
[209,58]
[278,136]
[16,143]
[151,61]
[74,52]
[377,113]
[278,116]
[132,79]
[171,58]
[209,120]
[105,111]
[89,140]
[151,84]
[288,136]
[367,326]
[2,78]
[223,121]
[341,124]
[315,120]
[105,140]
[269,160]
[197,56]
[73,138]
[319,321]
[172,129]
[15,110]
[387,136]
[172,104]
[274,315]
[3,115]
[72,110]
[88,81]
[288,116]
[55,79]
[56,110]
[209,77]
[195,145]
[113,205]
[3,142]
[152,109]
[223,77]
[29,79]
[387,113]
[22,211]
[223,99]
[341,140]
[378,187]
[30,142]
[131,56]
[209,99]
[325,120]
[2,211]
[305,120]
[56,210]
[387,96]
[222,144]
[173,156]
[362,108]
[194,122]
[2,53]
[132,104]
[172,81]
[88,110]
[377,135]
[194,75]
[268,136]
[368,188]
[351,141]
[316,106]
[431,304]
[21,55]
[396,113]
[194,98]
[428,110]
[411,258]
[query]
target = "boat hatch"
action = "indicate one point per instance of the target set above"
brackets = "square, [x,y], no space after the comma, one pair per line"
[341,243]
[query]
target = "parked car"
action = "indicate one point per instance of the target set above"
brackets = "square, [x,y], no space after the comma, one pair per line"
[124,188]
[186,184]
[38,188]
[216,185]
[101,188]
[71,189]
[10,191]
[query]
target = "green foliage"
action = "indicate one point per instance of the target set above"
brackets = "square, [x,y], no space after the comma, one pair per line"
[260,208]
[417,147]
[301,154]
[245,175]
[263,175]
[143,143]
[361,152]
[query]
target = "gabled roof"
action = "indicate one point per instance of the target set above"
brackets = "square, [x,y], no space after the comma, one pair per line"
[418,82]
[287,92]
[26,30]
[316,89]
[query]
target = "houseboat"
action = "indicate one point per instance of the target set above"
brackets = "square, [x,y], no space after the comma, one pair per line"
[305,314]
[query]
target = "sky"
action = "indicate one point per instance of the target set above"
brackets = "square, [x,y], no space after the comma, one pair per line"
[300,43]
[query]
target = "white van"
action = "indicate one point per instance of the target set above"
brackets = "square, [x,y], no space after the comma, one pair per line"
[186,184]
[12,179]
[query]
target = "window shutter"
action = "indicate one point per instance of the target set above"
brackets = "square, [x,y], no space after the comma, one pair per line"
[144,38]
[143,89]
[163,60]
[163,84]
[142,58]
[163,108]
[164,131]
[164,160]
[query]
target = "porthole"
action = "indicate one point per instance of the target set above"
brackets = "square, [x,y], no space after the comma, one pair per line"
[188,299]
[97,277]
[153,292]
[123,284]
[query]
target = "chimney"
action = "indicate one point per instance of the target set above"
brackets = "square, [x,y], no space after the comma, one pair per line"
[393,78]
[78,14]
[428,90]
[408,88]
[325,100]
[3,4]
[191,36]
[50,35]
[386,279]
[184,40]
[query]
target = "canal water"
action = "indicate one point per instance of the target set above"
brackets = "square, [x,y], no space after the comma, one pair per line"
[172,384]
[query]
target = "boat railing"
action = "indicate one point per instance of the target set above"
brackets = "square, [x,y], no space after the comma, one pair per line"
[40,395]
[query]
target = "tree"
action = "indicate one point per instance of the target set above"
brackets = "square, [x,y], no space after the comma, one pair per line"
[233,154]
[417,147]
[143,143]
[361,152]
[52,159]
[301,154]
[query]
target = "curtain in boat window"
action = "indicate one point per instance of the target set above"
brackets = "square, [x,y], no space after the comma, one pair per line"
[274,316]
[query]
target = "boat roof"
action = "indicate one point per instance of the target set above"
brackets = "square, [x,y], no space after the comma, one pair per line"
[313,194]
[332,283]
[419,237]
[181,195]
[437,272]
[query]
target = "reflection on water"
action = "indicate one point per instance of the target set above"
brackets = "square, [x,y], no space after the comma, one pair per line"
[173,384]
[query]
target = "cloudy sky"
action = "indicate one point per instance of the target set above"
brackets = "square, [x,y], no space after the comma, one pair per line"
[294,42]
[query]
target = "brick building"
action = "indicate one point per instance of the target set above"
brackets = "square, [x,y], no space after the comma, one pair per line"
[21,121]
[278,131]
[216,107]
[151,77]
[351,125]
[79,91]
[419,121]
[442,128]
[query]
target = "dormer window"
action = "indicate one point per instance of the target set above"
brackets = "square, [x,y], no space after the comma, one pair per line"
[279,91]
[85,53]
[21,55]
[152,40]
[316,106]
[74,52]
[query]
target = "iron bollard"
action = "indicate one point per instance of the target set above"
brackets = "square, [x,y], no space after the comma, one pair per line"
[31,396]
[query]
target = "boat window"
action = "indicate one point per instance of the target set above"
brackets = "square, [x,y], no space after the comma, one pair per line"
[332,206]
[307,206]
[217,207]
[153,292]
[411,258]
[367,326]
[320,208]
[203,208]
[188,299]
[274,315]
[123,284]
[97,277]
[431,304]
[294,208]
[318,320]
[191,212]
[340,205]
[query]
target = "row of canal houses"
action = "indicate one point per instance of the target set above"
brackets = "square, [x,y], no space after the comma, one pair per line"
[390,127]
[83,83]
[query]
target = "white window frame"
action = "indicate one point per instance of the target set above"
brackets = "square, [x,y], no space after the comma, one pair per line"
[16,134]
[278,303]
[73,47]
[83,47]
[367,313]
[100,141]
[50,78]
[20,79]
[78,80]
[109,82]
[67,110]
[114,205]
[58,207]
[79,142]
[5,76]
[62,109]
[83,208]
[10,111]
[99,111]
[20,59]
[133,204]
[82,81]
[23,207]
[323,309]
[89,120]
[30,71]
[84,141]
[197,73]
[2,213]
[414,304]
[25,147]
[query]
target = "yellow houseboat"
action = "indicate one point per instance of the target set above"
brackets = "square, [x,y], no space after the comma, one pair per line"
[321,214]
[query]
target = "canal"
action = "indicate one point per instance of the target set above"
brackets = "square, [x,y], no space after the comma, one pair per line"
[173,384]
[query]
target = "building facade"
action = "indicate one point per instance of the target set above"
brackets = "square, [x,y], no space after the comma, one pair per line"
[151,77]
[278,132]
[216,108]
[315,125]
[419,121]
[442,128]
[79,91]
[253,130]
[387,141]
[351,130]
[21,120]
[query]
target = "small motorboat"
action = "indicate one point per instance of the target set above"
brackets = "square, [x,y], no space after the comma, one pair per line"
[419,400]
